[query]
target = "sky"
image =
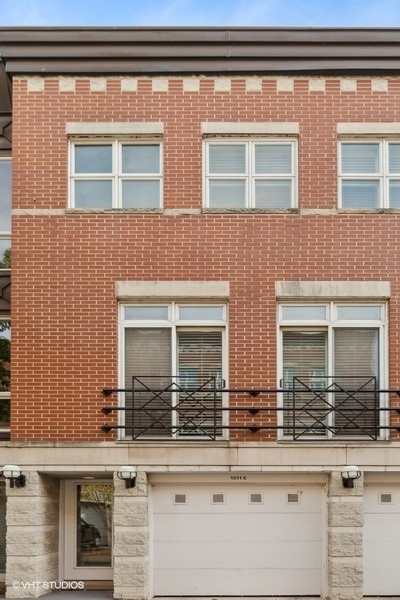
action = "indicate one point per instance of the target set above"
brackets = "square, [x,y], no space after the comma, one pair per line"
[214,13]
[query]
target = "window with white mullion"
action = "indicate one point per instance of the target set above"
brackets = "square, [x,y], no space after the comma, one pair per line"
[116,174]
[272,175]
[93,180]
[337,368]
[227,175]
[393,179]
[173,355]
[250,174]
[370,174]
[139,175]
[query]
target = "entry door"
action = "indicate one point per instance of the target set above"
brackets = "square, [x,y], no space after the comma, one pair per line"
[88,530]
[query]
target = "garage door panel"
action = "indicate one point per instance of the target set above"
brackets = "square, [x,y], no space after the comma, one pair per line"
[381,582]
[383,555]
[231,527]
[381,540]
[380,528]
[237,546]
[230,582]
[373,500]
[217,555]
[235,500]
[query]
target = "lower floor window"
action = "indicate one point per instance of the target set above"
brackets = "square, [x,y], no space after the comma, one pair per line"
[333,368]
[173,370]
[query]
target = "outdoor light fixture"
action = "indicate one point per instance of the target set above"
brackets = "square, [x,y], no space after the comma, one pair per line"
[13,473]
[127,474]
[349,474]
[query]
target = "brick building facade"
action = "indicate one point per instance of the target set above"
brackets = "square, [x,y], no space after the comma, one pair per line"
[204,229]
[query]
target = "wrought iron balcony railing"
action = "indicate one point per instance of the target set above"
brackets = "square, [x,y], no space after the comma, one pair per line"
[310,408]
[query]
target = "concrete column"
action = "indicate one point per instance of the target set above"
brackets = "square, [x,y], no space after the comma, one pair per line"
[345,542]
[131,540]
[32,536]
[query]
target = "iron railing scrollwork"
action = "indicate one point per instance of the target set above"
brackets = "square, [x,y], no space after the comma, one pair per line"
[327,408]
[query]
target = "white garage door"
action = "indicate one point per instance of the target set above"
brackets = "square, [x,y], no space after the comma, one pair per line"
[233,540]
[381,540]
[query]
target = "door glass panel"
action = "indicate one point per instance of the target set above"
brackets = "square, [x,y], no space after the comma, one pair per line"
[148,367]
[305,357]
[356,356]
[3,500]
[200,372]
[94,525]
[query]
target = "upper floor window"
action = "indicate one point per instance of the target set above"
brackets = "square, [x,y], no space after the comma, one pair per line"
[5,212]
[250,174]
[116,174]
[369,174]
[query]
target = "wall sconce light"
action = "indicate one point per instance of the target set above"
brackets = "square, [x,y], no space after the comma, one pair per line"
[13,473]
[349,475]
[127,474]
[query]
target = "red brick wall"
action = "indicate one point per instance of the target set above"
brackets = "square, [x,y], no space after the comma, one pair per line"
[64,266]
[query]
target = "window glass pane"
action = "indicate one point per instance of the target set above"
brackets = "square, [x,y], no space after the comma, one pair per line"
[304,357]
[94,525]
[199,358]
[5,357]
[140,194]
[356,353]
[225,193]
[5,195]
[394,194]
[93,194]
[360,158]
[93,159]
[227,158]
[356,364]
[147,352]
[141,158]
[359,312]
[304,354]
[201,313]
[148,358]
[273,159]
[273,194]
[146,312]
[394,158]
[360,194]
[304,313]
[5,253]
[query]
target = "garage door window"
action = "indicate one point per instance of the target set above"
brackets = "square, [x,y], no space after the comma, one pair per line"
[333,365]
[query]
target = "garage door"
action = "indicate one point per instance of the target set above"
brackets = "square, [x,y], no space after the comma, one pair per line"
[381,540]
[233,540]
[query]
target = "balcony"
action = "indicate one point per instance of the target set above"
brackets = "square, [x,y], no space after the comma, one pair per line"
[320,409]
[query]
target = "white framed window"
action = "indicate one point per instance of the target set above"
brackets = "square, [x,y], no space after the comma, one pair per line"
[369,174]
[252,173]
[5,211]
[115,174]
[173,357]
[333,359]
